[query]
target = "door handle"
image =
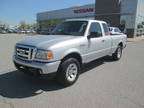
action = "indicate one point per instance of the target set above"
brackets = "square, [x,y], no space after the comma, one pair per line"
[103,40]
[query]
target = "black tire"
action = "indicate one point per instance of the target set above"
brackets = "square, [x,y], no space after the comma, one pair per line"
[62,74]
[118,53]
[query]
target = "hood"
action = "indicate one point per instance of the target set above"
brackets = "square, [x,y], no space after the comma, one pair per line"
[43,42]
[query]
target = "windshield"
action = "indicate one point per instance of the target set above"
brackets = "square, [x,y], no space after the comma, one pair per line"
[75,28]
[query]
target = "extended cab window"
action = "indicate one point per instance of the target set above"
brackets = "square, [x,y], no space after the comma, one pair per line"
[117,30]
[106,29]
[96,28]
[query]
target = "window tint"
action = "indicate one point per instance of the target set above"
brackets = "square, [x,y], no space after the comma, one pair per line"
[106,29]
[95,27]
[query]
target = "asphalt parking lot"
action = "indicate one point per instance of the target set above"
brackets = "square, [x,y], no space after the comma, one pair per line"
[103,83]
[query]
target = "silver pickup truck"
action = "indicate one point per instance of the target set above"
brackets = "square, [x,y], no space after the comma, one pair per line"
[71,44]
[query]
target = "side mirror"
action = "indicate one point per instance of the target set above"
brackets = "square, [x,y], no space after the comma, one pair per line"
[94,35]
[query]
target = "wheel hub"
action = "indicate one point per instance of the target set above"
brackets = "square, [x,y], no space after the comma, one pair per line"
[119,53]
[71,72]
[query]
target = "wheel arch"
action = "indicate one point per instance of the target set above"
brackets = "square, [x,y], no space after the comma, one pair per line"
[120,44]
[73,55]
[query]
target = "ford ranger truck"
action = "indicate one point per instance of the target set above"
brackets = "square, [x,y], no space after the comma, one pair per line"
[71,44]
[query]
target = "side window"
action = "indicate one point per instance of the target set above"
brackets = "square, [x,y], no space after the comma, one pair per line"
[116,30]
[106,29]
[95,28]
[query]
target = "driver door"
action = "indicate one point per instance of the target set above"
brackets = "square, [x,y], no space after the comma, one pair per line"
[96,44]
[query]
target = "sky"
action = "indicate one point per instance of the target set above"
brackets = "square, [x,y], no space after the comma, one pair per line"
[14,11]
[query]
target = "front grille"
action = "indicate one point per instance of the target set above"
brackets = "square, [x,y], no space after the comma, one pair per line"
[24,52]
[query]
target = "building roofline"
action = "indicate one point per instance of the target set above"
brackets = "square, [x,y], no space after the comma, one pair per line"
[73,7]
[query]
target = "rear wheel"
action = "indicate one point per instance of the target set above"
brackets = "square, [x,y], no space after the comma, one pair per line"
[118,53]
[68,72]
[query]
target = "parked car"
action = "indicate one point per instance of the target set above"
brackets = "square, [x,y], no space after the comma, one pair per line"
[22,31]
[71,44]
[33,31]
[45,32]
[28,31]
[15,31]
[115,31]
[3,31]
[140,31]
[10,31]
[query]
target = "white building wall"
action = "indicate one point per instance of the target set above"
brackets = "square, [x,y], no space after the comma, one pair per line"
[140,12]
[130,7]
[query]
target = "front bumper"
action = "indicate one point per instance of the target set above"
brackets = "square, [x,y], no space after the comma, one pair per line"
[45,68]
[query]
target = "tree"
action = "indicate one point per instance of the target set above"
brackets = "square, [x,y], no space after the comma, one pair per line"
[3,26]
[34,26]
[122,25]
[23,25]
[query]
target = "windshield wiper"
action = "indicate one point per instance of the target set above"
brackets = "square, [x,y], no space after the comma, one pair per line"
[61,33]
[65,33]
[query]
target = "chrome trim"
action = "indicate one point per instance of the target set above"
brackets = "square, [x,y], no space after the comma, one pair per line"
[34,53]
[25,49]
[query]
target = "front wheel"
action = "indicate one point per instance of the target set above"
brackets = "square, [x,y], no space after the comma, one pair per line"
[118,53]
[68,72]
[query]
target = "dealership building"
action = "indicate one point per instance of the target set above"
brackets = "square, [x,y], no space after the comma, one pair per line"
[128,15]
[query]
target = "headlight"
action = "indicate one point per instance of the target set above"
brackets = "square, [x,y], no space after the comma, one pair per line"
[43,54]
